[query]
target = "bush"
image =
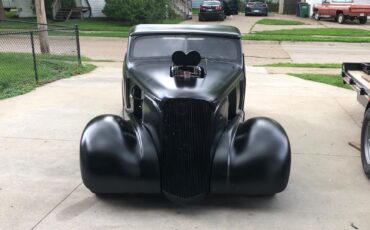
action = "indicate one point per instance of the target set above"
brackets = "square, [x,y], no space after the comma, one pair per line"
[139,11]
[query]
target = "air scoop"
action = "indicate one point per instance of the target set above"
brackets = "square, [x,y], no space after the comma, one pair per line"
[186,65]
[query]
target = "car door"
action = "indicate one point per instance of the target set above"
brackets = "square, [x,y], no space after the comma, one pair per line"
[325,7]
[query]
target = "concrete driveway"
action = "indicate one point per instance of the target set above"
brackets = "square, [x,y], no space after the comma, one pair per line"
[40,184]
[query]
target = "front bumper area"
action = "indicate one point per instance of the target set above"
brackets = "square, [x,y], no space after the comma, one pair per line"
[216,15]
[256,11]
[251,158]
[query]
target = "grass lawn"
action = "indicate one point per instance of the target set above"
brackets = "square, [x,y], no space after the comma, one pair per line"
[195,11]
[313,35]
[330,79]
[305,65]
[16,81]
[278,22]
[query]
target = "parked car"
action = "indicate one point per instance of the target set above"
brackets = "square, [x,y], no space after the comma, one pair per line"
[211,10]
[256,7]
[357,75]
[183,132]
[341,10]
[231,7]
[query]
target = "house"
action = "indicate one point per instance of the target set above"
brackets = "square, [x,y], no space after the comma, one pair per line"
[82,8]
[89,8]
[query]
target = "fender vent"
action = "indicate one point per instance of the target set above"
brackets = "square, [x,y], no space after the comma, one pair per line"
[186,147]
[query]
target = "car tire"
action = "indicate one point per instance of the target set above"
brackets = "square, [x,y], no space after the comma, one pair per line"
[266,14]
[341,18]
[363,20]
[221,18]
[317,16]
[365,143]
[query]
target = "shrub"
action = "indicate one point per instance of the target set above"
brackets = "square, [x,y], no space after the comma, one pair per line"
[138,11]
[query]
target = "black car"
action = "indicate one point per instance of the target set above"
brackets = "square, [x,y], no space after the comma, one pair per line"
[256,7]
[211,10]
[183,132]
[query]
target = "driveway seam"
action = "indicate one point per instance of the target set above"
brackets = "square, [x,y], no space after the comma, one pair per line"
[57,205]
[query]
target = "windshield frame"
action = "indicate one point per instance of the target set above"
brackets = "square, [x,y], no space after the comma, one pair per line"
[238,60]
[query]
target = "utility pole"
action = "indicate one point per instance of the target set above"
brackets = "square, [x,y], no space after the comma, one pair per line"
[2,12]
[42,26]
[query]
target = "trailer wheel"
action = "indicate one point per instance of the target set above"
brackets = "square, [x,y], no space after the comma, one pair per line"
[341,18]
[365,143]
[363,20]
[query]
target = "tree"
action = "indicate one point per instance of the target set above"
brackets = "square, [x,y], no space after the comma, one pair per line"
[42,26]
[2,11]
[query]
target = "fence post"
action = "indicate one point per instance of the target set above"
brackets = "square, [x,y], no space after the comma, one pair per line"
[34,57]
[77,32]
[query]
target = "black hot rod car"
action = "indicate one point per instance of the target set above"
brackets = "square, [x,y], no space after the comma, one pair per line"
[183,132]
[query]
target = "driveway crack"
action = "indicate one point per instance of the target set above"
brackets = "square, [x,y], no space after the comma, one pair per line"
[57,205]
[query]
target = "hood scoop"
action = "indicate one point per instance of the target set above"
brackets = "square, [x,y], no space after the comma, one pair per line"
[186,66]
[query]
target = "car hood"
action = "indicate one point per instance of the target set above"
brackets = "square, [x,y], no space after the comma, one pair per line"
[155,80]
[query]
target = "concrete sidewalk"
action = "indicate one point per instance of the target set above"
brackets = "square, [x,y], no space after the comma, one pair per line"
[40,184]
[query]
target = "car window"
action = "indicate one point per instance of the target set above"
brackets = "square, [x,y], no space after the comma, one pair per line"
[227,49]
[211,3]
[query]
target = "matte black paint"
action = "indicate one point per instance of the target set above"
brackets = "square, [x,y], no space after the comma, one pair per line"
[126,155]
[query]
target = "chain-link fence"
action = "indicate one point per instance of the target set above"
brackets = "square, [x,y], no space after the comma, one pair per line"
[22,61]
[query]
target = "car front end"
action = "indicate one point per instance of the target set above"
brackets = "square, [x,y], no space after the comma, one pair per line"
[183,134]
[256,8]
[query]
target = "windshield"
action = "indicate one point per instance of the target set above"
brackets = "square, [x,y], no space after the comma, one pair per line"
[163,46]
[213,3]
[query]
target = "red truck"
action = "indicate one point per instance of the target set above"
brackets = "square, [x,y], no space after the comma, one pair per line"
[341,10]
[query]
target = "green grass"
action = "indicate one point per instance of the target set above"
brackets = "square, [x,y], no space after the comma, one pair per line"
[278,22]
[305,65]
[16,81]
[330,79]
[313,35]
[195,11]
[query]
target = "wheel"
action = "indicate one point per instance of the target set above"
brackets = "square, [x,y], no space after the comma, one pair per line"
[266,14]
[222,17]
[365,143]
[317,16]
[363,20]
[200,19]
[341,18]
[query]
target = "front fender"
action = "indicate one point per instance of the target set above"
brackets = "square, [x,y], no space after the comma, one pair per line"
[252,158]
[117,157]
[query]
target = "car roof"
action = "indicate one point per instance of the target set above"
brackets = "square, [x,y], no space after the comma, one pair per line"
[213,30]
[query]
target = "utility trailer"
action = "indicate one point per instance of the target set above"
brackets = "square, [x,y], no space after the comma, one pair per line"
[358,76]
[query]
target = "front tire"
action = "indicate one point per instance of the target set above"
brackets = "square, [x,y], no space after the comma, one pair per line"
[341,18]
[365,143]
[363,20]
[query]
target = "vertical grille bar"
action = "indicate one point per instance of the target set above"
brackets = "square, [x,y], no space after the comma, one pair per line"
[186,147]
